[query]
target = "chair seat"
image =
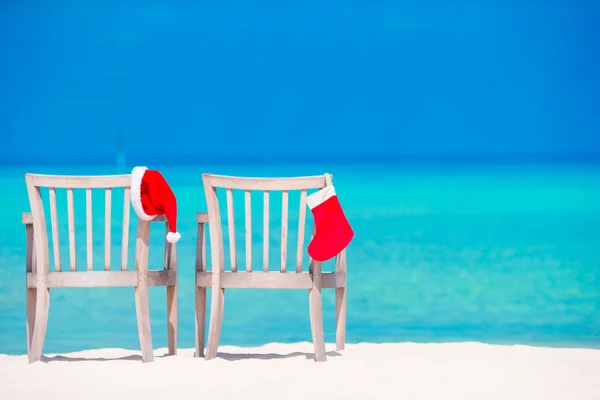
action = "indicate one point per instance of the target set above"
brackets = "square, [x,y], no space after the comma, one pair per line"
[272,280]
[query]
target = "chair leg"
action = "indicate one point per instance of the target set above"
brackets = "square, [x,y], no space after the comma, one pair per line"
[216,320]
[30,300]
[37,319]
[142,309]
[316,314]
[340,314]
[200,320]
[172,318]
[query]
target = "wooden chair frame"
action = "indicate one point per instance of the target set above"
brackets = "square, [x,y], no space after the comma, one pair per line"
[40,280]
[218,279]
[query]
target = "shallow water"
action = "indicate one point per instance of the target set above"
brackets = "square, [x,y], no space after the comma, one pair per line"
[499,254]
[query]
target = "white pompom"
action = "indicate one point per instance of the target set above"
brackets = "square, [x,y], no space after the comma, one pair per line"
[173,237]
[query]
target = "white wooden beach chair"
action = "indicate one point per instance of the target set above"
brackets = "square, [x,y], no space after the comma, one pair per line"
[40,279]
[261,277]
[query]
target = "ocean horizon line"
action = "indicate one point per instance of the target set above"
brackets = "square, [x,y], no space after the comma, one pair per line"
[271,159]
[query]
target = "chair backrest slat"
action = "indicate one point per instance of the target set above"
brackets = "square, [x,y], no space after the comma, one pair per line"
[54,223]
[248,216]
[284,229]
[125,244]
[231,226]
[107,223]
[170,254]
[88,229]
[266,185]
[72,183]
[71,218]
[340,261]
[310,259]
[216,229]
[41,262]
[301,224]
[266,231]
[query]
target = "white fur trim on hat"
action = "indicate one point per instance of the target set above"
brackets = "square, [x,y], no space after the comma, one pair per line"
[319,197]
[137,173]
[173,237]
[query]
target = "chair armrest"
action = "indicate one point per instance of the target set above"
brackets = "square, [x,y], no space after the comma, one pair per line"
[30,261]
[26,218]
[202,217]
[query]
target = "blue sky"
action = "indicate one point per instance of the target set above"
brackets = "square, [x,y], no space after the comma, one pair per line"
[299,78]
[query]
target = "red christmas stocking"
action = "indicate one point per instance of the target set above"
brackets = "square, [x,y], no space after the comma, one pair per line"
[333,232]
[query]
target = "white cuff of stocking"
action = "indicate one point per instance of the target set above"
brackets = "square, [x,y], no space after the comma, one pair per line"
[320,197]
[173,237]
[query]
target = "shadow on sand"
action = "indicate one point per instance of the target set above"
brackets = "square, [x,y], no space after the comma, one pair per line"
[223,356]
[270,356]
[132,357]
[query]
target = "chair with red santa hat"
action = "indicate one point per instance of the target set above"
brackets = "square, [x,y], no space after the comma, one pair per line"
[152,201]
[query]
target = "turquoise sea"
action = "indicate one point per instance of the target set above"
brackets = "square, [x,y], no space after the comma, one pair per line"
[490,253]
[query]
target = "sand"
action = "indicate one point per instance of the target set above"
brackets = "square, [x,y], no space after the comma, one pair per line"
[286,371]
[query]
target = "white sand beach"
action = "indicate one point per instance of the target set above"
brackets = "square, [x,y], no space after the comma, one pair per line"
[285,371]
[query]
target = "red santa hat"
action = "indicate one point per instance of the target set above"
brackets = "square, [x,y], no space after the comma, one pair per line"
[152,196]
